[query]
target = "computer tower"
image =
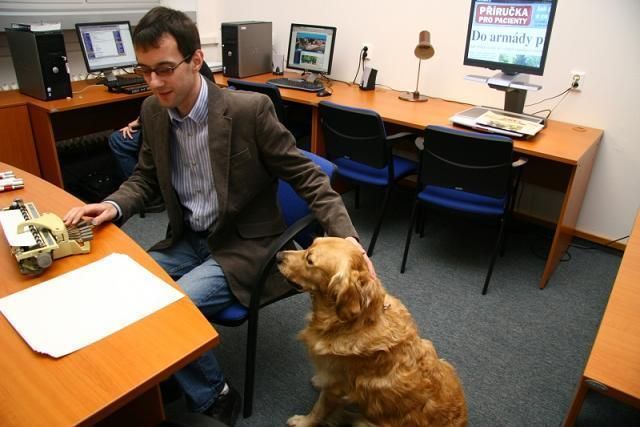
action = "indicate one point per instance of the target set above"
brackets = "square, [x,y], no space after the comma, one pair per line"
[40,63]
[246,48]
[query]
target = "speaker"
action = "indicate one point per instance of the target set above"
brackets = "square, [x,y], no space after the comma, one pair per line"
[368,81]
[278,64]
[40,63]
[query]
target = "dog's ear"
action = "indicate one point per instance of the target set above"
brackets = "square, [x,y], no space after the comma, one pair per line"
[371,292]
[371,297]
[344,288]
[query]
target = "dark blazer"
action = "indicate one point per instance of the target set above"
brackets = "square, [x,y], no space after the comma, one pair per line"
[249,149]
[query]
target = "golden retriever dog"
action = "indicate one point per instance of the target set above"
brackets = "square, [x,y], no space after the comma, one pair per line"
[365,346]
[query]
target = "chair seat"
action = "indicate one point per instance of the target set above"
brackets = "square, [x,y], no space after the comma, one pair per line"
[462,201]
[375,176]
[234,315]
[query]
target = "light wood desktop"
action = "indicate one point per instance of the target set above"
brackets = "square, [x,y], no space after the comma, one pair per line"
[613,367]
[561,156]
[115,380]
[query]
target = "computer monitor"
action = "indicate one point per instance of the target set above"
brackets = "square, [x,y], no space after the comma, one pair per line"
[511,36]
[311,48]
[106,46]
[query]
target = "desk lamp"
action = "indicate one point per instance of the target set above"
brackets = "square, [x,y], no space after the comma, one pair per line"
[423,50]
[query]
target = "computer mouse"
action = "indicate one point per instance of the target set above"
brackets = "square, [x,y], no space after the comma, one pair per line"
[323,92]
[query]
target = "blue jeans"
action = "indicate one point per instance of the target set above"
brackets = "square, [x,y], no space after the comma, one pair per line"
[189,263]
[125,150]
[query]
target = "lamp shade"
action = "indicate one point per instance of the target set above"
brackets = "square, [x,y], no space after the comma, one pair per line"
[424,50]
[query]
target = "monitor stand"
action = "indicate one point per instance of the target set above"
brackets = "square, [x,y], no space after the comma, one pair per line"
[514,86]
[310,77]
[109,76]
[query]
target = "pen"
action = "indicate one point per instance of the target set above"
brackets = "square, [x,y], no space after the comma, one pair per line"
[11,181]
[11,187]
[7,174]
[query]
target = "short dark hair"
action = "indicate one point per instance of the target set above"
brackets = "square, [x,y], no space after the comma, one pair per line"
[160,21]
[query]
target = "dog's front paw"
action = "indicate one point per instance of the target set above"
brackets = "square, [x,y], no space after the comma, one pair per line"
[300,421]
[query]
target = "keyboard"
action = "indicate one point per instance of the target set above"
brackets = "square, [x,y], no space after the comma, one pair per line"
[124,80]
[299,84]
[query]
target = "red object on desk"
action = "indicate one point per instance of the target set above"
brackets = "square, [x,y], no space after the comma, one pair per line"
[11,187]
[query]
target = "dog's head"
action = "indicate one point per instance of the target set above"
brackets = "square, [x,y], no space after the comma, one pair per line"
[335,271]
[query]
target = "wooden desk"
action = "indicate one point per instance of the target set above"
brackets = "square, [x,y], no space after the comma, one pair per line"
[115,379]
[561,156]
[613,367]
[91,109]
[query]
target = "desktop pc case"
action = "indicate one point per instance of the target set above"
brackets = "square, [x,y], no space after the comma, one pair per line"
[246,48]
[40,63]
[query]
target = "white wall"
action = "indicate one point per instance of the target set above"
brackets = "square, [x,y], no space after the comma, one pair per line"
[588,35]
[600,38]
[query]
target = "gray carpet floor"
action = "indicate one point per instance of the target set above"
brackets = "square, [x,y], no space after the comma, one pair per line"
[519,350]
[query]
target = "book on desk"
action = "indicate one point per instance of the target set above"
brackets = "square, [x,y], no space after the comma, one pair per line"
[493,120]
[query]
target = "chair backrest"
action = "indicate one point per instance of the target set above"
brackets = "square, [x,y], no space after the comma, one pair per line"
[295,207]
[265,88]
[355,133]
[469,161]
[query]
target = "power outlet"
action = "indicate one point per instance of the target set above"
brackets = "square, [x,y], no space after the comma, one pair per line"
[368,51]
[577,80]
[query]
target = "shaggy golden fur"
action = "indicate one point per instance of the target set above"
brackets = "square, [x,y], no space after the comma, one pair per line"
[365,346]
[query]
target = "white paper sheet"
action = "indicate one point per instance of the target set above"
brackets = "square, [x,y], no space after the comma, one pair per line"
[10,219]
[78,308]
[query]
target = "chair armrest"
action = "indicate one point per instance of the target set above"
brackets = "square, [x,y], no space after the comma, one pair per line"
[289,234]
[520,162]
[400,135]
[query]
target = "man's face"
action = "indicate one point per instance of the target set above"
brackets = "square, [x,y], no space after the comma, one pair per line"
[179,89]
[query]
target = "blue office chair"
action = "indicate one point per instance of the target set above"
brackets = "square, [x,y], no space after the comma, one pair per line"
[467,172]
[301,228]
[356,141]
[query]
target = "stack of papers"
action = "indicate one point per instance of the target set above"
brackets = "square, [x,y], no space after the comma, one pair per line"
[78,308]
[510,123]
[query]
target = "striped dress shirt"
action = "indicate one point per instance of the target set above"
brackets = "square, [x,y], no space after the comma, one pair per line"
[192,174]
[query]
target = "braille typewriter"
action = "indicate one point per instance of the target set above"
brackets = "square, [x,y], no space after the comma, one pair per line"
[53,239]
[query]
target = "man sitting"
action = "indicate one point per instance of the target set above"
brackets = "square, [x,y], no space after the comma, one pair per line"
[125,146]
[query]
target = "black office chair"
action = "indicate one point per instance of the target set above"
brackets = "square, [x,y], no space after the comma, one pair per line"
[467,172]
[301,131]
[356,141]
[265,88]
[302,228]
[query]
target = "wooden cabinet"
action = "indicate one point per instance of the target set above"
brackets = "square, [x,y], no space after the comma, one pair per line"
[16,143]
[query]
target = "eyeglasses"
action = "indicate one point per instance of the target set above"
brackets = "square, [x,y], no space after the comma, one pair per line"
[161,71]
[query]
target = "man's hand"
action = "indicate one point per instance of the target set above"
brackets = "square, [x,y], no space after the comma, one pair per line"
[364,253]
[98,212]
[130,129]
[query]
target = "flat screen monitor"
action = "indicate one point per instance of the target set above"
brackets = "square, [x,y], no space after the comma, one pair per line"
[511,36]
[106,46]
[311,48]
